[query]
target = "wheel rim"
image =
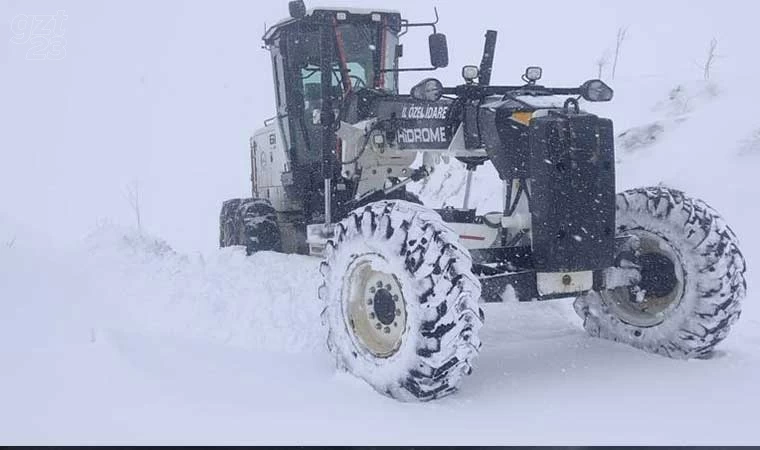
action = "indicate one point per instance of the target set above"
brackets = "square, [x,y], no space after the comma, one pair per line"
[660,290]
[374,306]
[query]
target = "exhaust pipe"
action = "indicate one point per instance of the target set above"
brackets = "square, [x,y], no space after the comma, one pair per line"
[486,64]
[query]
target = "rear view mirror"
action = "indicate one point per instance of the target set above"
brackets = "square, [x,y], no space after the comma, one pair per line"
[596,91]
[439,50]
[297,9]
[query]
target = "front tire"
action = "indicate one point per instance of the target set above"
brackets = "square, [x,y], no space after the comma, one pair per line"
[691,284]
[401,302]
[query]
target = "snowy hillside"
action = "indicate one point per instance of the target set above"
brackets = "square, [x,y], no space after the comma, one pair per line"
[113,336]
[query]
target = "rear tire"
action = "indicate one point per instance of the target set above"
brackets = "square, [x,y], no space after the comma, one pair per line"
[401,302]
[251,223]
[692,278]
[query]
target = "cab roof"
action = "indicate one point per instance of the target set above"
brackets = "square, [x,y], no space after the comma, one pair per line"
[350,11]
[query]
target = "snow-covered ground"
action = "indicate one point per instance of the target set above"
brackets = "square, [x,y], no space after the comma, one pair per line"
[119,338]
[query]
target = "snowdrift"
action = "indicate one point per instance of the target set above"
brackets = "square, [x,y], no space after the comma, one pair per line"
[266,301]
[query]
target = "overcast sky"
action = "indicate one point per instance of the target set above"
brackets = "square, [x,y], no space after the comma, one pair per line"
[168,92]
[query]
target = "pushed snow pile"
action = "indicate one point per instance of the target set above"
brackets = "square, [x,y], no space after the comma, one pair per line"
[253,302]
[641,136]
[445,187]
[687,97]
[681,102]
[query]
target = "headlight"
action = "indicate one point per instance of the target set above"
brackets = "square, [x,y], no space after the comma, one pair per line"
[596,91]
[428,89]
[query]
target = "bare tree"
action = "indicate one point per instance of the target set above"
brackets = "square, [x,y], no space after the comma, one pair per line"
[602,62]
[711,56]
[621,34]
[133,197]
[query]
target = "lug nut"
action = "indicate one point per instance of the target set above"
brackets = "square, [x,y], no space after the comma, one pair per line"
[379,284]
[387,287]
[395,298]
[369,301]
[371,315]
[372,290]
[378,326]
[387,330]
[398,311]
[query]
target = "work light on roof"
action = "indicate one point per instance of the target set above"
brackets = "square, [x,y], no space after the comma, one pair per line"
[470,73]
[533,74]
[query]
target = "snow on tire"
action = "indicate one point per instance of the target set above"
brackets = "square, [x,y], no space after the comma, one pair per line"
[692,278]
[251,223]
[400,301]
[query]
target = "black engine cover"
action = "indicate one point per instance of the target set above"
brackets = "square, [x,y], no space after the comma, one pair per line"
[572,172]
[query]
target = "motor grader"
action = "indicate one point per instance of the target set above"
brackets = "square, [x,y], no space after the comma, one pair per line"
[403,283]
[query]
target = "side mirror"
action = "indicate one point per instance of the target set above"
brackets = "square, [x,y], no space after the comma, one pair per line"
[297,9]
[596,91]
[439,50]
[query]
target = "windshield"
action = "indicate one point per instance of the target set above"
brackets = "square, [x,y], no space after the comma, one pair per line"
[366,52]
[363,53]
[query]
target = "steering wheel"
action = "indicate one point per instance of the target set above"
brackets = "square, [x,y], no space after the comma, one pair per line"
[358,82]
